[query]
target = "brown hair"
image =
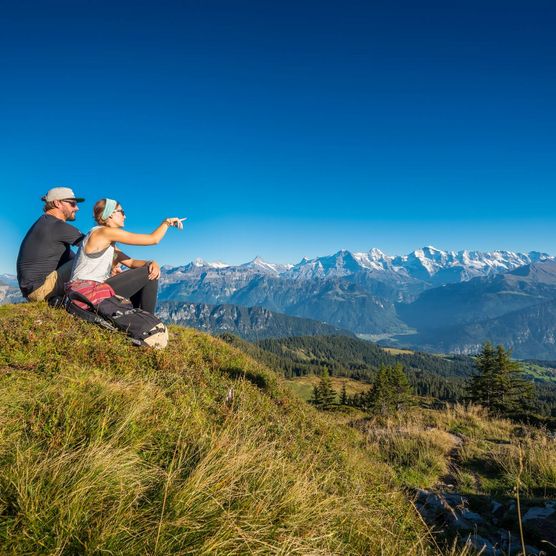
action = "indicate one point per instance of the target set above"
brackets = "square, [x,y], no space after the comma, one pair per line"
[98,210]
[48,205]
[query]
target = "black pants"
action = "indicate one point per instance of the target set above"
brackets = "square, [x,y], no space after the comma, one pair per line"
[136,286]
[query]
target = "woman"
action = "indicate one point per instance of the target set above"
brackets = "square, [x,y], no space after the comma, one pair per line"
[99,257]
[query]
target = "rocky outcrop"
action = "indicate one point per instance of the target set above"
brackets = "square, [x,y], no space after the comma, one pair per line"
[491,525]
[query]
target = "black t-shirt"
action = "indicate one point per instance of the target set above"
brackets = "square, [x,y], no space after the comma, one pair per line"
[45,248]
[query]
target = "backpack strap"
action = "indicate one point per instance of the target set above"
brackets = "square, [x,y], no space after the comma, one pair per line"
[73,295]
[90,314]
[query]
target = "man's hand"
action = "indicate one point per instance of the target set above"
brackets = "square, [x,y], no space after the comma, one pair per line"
[154,270]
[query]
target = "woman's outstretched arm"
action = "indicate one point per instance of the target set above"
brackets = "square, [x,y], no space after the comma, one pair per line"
[102,237]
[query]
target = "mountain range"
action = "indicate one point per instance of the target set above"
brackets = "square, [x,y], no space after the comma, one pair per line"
[517,309]
[9,290]
[420,268]
[427,291]
[439,300]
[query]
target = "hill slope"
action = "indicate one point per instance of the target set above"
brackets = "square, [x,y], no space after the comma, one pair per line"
[109,448]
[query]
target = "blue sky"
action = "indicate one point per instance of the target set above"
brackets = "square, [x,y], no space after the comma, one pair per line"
[284,129]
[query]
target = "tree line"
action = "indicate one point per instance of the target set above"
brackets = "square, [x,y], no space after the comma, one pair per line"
[497,384]
[442,378]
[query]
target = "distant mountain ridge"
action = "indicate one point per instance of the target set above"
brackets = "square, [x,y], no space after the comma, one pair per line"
[9,289]
[482,297]
[351,290]
[529,332]
[433,299]
[250,323]
[517,309]
[421,264]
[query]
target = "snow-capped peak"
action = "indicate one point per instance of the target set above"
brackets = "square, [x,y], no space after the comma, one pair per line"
[198,262]
[376,254]
[428,264]
[218,264]
[261,264]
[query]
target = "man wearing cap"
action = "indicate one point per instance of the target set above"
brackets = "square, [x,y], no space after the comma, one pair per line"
[45,256]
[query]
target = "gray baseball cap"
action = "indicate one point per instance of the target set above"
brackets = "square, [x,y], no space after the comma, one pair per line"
[61,194]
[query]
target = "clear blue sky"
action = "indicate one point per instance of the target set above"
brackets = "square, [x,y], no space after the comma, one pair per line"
[285,129]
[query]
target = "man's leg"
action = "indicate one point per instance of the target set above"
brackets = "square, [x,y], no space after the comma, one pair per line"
[53,284]
[136,286]
[45,290]
[63,276]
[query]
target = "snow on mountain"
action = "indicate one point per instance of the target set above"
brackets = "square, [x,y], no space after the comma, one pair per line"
[261,265]
[354,290]
[427,264]
[374,259]
[202,263]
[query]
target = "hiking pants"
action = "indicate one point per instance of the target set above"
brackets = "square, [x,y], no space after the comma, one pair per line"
[136,286]
[53,285]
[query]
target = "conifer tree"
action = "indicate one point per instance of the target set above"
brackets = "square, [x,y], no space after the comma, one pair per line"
[390,391]
[316,399]
[344,397]
[327,393]
[499,385]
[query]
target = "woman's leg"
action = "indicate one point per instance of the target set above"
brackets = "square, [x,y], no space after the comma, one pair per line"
[136,286]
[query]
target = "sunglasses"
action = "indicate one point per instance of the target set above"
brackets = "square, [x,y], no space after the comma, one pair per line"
[121,210]
[71,203]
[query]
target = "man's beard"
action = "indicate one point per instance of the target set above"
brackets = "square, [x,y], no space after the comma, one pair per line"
[71,217]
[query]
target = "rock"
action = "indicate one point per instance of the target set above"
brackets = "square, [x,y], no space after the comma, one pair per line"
[472,516]
[542,531]
[538,513]
[484,546]
[495,508]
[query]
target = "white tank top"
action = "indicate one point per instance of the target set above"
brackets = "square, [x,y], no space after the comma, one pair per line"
[95,266]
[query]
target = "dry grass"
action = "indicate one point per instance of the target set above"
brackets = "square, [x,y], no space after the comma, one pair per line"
[417,451]
[483,453]
[106,448]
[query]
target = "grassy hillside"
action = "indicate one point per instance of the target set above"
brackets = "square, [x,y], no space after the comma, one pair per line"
[198,449]
[480,451]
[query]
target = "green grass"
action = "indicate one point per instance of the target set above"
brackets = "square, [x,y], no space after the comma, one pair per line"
[418,452]
[108,448]
[303,386]
[538,372]
[397,351]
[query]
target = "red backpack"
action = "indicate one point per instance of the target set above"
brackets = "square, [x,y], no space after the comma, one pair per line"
[98,303]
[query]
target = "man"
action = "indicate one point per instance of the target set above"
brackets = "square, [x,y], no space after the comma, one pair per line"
[45,256]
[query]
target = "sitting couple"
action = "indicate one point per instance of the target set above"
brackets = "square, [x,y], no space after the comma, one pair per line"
[46,262]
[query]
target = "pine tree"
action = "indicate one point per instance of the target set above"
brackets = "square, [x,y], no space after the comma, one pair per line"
[344,397]
[390,392]
[316,398]
[499,384]
[327,393]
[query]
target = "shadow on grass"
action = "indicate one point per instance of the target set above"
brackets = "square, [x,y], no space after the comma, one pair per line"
[256,379]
